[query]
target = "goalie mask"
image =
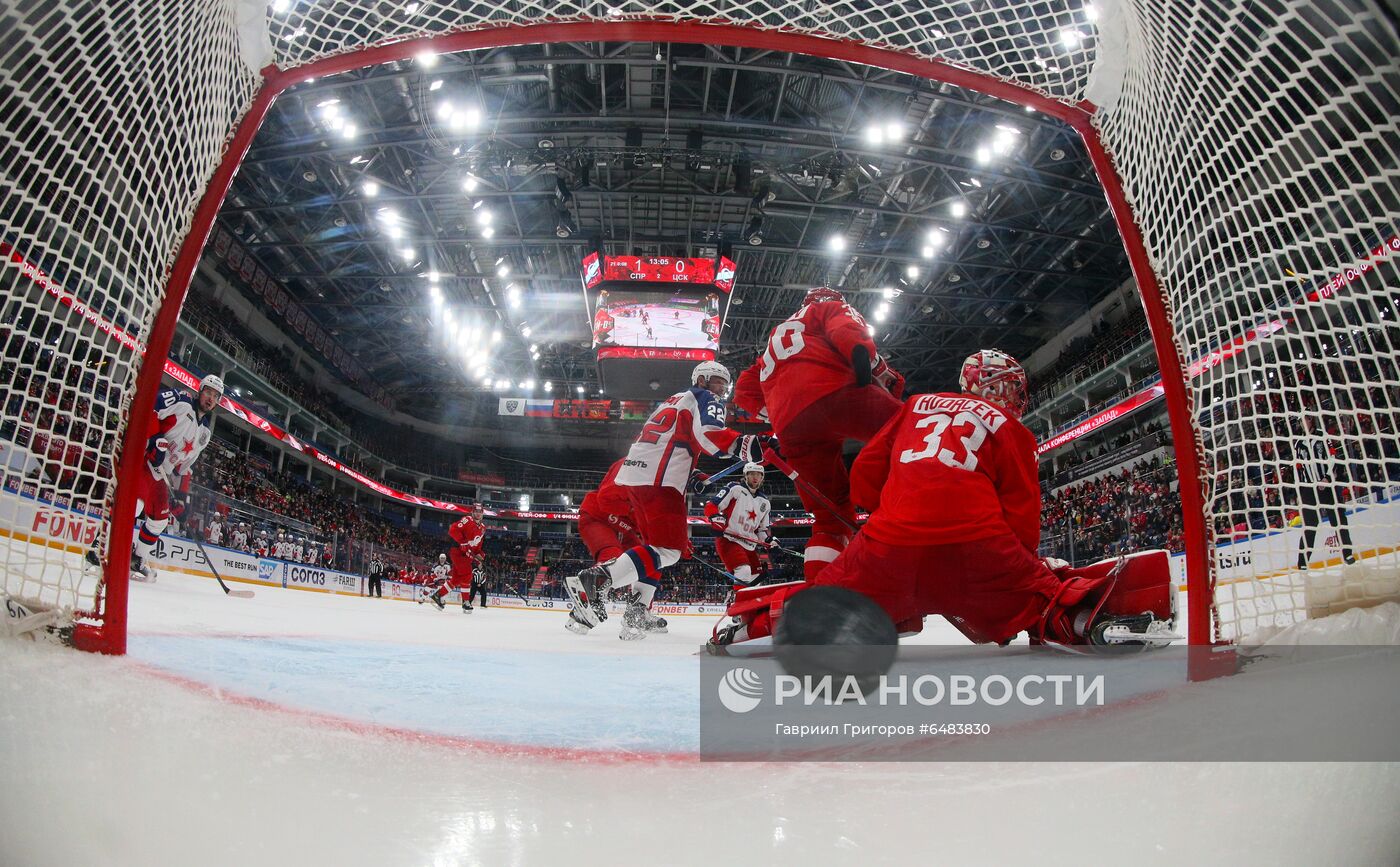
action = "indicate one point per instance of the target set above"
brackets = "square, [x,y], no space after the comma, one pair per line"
[997,378]
[822,293]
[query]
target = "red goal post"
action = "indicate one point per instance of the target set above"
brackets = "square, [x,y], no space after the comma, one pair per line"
[1185,114]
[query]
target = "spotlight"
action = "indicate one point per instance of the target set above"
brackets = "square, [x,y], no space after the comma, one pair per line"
[565,226]
[763,194]
[754,233]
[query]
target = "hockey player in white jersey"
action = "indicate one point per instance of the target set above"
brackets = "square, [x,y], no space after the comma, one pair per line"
[442,573]
[215,531]
[741,518]
[179,429]
[655,474]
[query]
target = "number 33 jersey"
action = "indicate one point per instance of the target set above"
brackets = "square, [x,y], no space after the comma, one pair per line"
[949,468]
[677,432]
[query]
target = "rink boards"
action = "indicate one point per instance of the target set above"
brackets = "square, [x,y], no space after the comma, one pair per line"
[1375,529]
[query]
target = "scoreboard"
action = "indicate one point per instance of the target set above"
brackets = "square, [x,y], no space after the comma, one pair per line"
[653,318]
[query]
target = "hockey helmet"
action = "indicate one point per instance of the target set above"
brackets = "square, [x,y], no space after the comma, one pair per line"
[442,558]
[212,381]
[707,370]
[997,378]
[822,293]
[753,467]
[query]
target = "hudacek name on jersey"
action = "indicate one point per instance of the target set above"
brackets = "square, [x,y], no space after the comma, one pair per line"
[931,403]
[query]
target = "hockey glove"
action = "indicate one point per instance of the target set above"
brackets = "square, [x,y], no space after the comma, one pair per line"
[748,448]
[715,518]
[698,482]
[156,448]
[1054,564]
[887,377]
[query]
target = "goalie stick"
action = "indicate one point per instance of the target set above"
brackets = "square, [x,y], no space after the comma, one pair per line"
[241,594]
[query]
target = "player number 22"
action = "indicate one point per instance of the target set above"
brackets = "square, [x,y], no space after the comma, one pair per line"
[954,440]
[785,343]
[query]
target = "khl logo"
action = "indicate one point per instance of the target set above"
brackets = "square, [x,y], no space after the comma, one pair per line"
[740,690]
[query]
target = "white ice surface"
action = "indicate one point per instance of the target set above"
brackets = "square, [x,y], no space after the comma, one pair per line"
[108,761]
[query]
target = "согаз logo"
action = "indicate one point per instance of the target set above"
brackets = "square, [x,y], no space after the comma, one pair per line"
[740,690]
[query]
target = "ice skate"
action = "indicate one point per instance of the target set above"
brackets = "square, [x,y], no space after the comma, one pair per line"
[1141,630]
[141,571]
[634,622]
[587,606]
[577,624]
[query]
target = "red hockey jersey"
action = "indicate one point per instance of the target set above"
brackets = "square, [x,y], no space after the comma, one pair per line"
[949,468]
[468,533]
[808,356]
[608,499]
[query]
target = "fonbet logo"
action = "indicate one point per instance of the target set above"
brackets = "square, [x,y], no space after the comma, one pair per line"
[740,690]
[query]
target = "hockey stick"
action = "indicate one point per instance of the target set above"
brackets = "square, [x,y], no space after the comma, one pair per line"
[241,594]
[770,545]
[772,457]
[731,576]
[727,471]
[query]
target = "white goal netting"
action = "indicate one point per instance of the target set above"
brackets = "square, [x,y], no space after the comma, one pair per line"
[1256,143]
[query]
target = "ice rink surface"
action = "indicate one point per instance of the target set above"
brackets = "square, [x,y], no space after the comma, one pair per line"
[302,728]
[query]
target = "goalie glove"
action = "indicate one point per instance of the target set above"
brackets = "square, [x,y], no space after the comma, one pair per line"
[156,449]
[887,377]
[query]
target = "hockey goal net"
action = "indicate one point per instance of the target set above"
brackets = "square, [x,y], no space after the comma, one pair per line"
[1249,151]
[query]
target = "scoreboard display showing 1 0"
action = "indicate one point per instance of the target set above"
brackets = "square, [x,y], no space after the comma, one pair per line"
[653,318]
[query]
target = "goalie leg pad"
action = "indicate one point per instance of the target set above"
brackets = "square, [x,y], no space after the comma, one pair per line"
[753,613]
[1138,584]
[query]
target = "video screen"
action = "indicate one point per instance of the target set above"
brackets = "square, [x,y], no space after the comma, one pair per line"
[657,320]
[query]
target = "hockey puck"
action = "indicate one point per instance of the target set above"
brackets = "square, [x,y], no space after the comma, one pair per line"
[833,631]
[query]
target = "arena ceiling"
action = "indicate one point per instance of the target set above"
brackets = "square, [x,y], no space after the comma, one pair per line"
[953,220]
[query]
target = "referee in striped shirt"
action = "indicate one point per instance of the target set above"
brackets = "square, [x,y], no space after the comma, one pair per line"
[1317,478]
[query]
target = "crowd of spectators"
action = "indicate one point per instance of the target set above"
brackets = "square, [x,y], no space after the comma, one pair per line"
[1089,353]
[1128,510]
[57,405]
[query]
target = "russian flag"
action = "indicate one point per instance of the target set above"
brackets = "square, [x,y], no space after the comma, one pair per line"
[539,408]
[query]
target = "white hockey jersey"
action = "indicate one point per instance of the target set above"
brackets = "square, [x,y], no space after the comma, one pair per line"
[676,433]
[745,515]
[186,433]
[441,572]
[216,533]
